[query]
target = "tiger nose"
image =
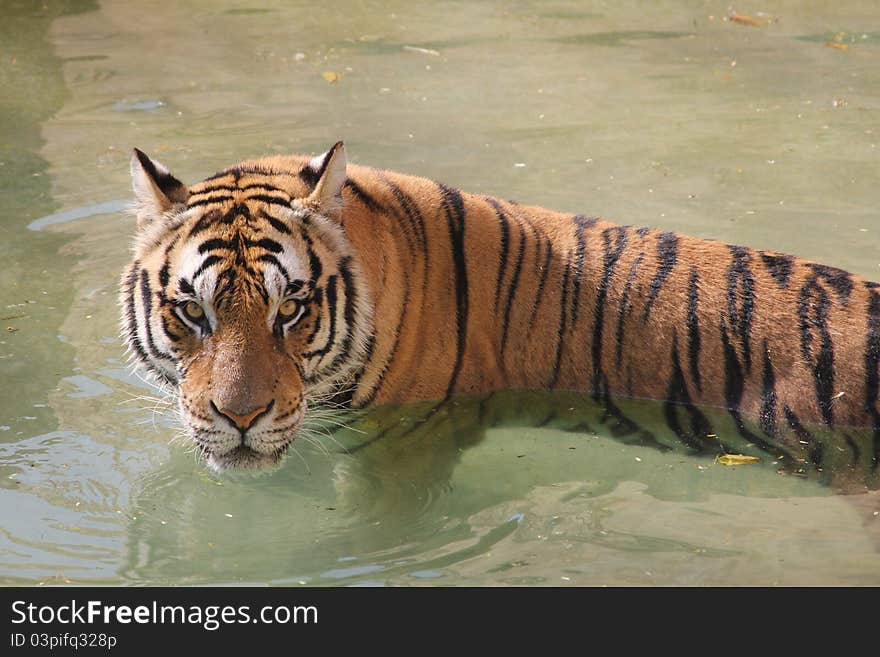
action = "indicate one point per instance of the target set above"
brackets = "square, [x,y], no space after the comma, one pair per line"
[244,421]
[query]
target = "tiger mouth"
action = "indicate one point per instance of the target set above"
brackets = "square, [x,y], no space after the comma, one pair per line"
[221,450]
[246,455]
[243,457]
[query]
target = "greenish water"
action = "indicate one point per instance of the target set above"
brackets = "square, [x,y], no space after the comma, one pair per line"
[651,113]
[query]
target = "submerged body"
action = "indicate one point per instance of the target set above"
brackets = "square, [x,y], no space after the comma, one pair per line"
[289,278]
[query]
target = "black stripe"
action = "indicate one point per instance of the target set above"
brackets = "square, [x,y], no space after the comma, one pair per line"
[362,196]
[147,303]
[271,200]
[217,243]
[733,375]
[185,286]
[581,224]
[539,245]
[277,224]
[315,267]
[667,254]
[164,273]
[265,243]
[697,437]
[271,259]
[624,427]
[611,255]
[258,286]
[331,312]
[237,171]
[240,210]
[741,301]
[805,436]
[872,379]
[733,389]
[514,284]
[171,335]
[317,304]
[204,222]
[539,294]
[264,185]
[131,324]
[223,289]
[779,266]
[377,384]
[208,200]
[560,335]
[348,287]
[504,247]
[210,189]
[813,307]
[210,261]
[768,395]
[625,306]
[453,205]
[368,356]
[839,280]
[411,208]
[693,329]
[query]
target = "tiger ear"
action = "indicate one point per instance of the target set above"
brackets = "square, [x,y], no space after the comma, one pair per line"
[155,189]
[329,170]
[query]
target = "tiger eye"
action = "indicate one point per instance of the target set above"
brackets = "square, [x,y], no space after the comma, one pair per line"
[288,308]
[193,310]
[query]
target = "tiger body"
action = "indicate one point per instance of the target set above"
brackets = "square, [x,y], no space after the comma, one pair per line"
[411,290]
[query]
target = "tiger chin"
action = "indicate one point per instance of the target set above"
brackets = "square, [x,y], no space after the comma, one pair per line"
[246,300]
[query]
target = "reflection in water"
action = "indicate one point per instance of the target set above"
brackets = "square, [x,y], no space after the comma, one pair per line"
[393,499]
[107,207]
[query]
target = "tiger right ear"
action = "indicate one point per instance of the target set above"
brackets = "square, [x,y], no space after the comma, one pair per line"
[329,171]
[155,189]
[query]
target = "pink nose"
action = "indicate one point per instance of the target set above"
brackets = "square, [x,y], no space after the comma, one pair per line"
[244,421]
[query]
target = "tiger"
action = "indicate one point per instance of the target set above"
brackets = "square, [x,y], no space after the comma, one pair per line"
[283,282]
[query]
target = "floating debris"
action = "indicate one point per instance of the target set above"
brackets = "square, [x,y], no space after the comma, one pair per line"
[422,51]
[140,106]
[750,21]
[736,459]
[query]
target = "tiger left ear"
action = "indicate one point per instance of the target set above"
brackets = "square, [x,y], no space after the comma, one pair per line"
[155,189]
[330,171]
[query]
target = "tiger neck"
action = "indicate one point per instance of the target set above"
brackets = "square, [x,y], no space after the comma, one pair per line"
[458,286]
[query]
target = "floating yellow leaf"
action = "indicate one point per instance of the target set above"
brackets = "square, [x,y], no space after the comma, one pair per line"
[745,19]
[735,459]
[331,76]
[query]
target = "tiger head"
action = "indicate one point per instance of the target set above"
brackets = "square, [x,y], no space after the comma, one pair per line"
[245,298]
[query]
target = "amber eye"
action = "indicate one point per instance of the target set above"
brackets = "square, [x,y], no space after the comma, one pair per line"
[288,309]
[193,311]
